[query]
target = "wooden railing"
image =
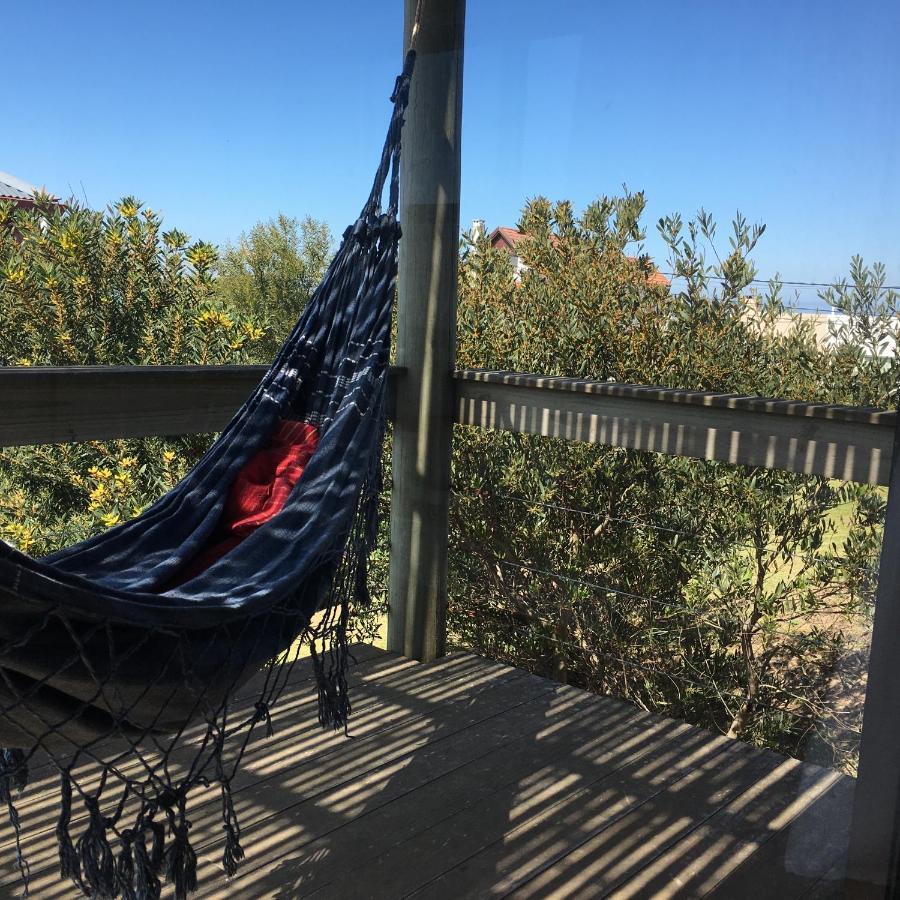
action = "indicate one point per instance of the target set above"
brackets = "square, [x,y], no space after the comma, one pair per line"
[52,405]
[810,438]
[94,403]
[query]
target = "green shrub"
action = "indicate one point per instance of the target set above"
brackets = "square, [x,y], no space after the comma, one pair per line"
[725,595]
[271,272]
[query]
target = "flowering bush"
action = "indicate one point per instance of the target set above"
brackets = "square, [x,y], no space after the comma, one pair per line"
[79,287]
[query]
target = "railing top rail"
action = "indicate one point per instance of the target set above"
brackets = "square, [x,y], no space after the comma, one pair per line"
[58,404]
[36,373]
[709,399]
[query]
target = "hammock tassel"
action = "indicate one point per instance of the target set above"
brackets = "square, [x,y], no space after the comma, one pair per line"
[98,865]
[233,852]
[157,851]
[330,667]
[13,774]
[334,699]
[147,886]
[181,860]
[125,867]
[14,777]
[69,865]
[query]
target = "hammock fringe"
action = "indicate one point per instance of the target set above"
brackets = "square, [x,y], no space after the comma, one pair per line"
[69,864]
[14,778]
[105,861]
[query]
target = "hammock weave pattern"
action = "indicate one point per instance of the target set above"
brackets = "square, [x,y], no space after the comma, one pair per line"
[144,633]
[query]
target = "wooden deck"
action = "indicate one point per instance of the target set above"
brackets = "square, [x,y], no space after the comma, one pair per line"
[468,778]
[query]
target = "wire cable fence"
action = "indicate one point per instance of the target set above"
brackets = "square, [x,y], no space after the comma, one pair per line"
[867,571]
[669,606]
[687,651]
[731,699]
[782,282]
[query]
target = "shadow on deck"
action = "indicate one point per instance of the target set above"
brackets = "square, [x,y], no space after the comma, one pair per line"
[468,778]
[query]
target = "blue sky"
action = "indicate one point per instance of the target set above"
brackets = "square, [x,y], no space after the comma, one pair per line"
[220,114]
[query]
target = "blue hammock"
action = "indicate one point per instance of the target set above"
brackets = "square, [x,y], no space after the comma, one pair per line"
[123,637]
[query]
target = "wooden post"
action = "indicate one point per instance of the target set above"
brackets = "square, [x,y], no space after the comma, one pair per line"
[426,332]
[874,854]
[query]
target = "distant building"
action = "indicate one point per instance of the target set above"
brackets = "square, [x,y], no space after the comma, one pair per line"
[507,239]
[16,190]
[826,326]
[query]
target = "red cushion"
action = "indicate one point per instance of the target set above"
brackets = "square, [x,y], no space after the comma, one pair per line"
[258,493]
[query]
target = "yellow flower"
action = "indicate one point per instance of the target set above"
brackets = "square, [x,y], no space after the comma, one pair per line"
[137,510]
[126,462]
[24,361]
[17,498]
[21,535]
[123,480]
[110,519]
[16,276]
[168,456]
[98,496]
[212,318]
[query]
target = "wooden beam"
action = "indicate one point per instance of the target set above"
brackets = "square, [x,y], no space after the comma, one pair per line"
[815,439]
[426,316]
[873,859]
[54,405]
[44,405]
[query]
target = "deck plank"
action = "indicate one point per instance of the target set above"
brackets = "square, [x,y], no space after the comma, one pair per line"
[291,718]
[43,777]
[802,858]
[603,831]
[304,815]
[431,788]
[515,829]
[318,761]
[469,778]
[706,855]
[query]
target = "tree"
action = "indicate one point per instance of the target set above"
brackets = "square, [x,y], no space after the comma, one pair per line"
[272,271]
[865,355]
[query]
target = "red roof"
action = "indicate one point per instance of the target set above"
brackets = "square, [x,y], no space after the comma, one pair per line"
[657,279]
[503,238]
